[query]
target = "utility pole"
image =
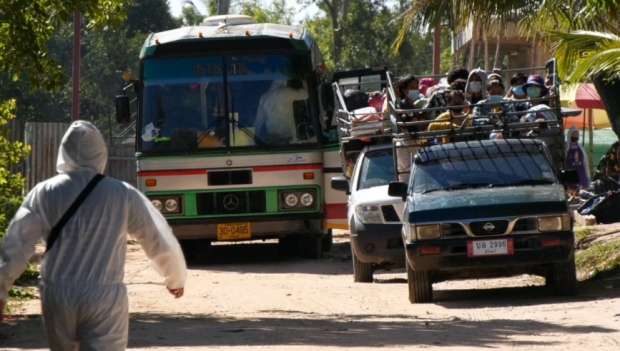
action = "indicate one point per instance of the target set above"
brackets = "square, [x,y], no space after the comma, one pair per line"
[77,26]
[222,7]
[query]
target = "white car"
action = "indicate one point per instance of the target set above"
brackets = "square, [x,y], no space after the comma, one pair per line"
[374,218]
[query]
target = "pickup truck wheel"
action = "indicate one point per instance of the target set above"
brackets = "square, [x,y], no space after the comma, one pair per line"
[564,278]
[420,286]
[328,241]
[362,271]
[311,247]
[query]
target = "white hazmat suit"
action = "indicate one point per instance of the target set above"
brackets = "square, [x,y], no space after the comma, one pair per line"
[275,111]
[83,297]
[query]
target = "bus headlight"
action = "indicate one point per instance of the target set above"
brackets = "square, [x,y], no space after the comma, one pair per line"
[291,200]
[307,199]
[158,205]
[172,205]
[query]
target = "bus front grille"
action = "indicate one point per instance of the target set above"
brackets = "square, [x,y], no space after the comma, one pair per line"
[231,202]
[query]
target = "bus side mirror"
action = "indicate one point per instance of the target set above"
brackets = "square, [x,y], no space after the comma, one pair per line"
[123,113]
[328,100]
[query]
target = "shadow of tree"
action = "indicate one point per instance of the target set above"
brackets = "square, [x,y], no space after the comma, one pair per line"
[155,330]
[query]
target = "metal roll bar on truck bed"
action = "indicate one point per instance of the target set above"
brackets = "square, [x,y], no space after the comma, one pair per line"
[505,123]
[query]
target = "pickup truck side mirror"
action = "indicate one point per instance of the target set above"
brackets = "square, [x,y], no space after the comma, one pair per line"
[570,176]
[341,184]
[398,189]
[123,113]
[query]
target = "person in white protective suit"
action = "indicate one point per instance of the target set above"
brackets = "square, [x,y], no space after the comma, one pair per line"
[83,297]
[275,112]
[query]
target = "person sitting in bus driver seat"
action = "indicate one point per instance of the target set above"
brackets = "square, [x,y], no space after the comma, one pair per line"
[275,111]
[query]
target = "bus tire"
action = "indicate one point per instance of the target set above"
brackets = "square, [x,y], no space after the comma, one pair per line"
[328,241]
[311,247]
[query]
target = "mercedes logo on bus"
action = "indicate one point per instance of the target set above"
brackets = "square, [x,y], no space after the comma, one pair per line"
[231,202]
[488,227]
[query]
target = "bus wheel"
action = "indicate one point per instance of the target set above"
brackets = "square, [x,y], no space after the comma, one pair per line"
[288,246]
[190,250]
[328,241]
[311,247]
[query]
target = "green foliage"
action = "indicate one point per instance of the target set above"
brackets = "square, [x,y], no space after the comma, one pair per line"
[267,11]
[190,17]
[146,16]
[598,259]
[583,233]
[22,294]
[11,154]
[27,27]
[369,31]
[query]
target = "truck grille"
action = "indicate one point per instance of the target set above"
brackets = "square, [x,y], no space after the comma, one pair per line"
[525,225]
[489,227]
[389,214]
[452,230]
[232,202]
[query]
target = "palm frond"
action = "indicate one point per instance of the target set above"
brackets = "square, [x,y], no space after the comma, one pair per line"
[583,53]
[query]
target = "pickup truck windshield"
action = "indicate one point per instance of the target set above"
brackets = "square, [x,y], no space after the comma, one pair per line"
[377,169]
[482,170]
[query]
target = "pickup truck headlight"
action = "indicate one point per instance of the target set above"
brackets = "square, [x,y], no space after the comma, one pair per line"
[554,223]
[428,231]
[409,232]
[550,224]
[368,213]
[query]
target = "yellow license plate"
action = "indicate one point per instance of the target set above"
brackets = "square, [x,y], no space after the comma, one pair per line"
[234,231]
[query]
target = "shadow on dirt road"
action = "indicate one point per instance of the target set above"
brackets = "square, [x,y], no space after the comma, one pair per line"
[320,330]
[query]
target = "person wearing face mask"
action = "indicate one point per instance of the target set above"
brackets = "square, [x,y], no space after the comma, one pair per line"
[495,91]
[475,89]
[576,159]
[535,88]
[459,114]
[411,99]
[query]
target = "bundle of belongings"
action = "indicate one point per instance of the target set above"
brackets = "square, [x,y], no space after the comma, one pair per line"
[601,199]
[364,119]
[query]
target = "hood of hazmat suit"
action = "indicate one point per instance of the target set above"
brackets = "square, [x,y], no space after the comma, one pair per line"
[86,264]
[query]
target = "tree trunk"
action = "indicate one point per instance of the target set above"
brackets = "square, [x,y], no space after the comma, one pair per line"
[496,58]
[486,53]
[472,49]
[609,90]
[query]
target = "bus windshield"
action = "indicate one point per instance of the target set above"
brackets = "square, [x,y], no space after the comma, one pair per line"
[194,103]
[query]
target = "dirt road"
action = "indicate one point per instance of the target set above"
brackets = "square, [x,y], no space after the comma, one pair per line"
[244,297]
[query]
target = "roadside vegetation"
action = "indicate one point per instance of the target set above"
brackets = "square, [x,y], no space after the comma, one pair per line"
[598,252]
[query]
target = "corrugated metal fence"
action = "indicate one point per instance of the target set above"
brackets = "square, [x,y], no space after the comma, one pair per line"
[44,139]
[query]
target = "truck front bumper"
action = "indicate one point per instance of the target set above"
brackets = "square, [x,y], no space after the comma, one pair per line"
[528,251]
[377,243]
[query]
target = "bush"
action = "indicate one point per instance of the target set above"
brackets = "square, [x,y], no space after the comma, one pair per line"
[12,154]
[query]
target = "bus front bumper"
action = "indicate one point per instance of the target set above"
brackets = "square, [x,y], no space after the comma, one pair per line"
[268,227]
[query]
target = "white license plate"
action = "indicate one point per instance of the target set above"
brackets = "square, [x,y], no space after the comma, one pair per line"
[490,247]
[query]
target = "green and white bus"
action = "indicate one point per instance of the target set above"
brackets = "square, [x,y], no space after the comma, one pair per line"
[233,135]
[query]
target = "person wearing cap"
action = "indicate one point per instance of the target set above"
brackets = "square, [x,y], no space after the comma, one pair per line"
[495,91]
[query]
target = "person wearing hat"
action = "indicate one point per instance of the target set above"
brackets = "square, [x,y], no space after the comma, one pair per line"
[535,88]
